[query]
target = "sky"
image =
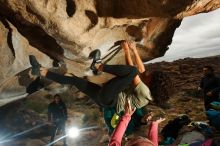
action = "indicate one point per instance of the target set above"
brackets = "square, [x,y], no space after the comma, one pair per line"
[198,36]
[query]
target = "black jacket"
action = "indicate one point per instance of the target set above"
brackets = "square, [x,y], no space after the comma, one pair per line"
[57,111]
[210,83]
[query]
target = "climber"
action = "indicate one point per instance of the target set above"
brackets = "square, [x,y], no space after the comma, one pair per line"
[161,90]
[57,116]
[159,83]
[113,93]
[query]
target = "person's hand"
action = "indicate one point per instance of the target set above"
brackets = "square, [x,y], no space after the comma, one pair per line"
[125,46]
[199,88]
[209,93]
[43,71]
[160,120]
[147,117]
[132,45]
[128,108]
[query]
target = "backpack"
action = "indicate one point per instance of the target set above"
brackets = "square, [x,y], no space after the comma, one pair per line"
[173,127]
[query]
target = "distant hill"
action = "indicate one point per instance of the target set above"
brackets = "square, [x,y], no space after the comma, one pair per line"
[186,71]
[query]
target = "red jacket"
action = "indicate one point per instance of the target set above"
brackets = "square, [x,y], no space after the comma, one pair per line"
[121,127]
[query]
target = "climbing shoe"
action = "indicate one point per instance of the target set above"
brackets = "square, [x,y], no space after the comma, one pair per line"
[35,65]
[95,55]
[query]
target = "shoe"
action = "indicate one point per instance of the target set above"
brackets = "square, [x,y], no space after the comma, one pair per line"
[35,65]
[95,55]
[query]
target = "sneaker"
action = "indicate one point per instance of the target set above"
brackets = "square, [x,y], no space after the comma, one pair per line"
[95,55]
[35,65]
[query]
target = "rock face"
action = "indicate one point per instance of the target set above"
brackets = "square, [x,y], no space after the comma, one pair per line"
[67,30]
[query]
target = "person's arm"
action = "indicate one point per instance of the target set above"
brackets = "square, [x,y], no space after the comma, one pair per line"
[214,92]
[153,133]
[119,131]
[207,142]
[129,61]
[137,57]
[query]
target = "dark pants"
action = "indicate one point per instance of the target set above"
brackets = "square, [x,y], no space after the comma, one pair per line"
[107,95]
[208,100]
[34,86]
[58,125]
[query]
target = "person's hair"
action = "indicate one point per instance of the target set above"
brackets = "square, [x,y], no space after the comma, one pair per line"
[139,141]
[215,141]
[57,95]
[142,144]
[161,87]
[209,68]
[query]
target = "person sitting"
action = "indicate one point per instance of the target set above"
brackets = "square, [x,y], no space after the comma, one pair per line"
[180,132]
[192,136]
[214,118]
[116,138]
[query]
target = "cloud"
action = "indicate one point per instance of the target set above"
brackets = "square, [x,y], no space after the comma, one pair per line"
[197,36]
